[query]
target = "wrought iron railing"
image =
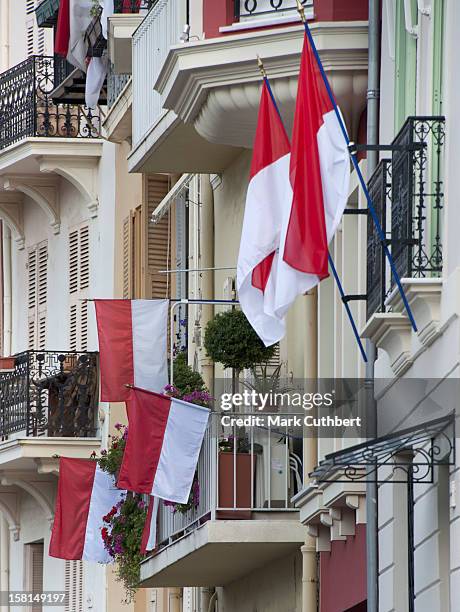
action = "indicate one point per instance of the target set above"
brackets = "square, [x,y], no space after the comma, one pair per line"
[27,108]
[408,195]
[257,475]
[115,85]
[50,394]
[254,8]
[132,6]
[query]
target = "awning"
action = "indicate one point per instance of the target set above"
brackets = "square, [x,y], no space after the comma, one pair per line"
[47,13]
[418,450]
[169,198]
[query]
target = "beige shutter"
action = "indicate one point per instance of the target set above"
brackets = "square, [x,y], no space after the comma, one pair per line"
[34,571]
[78,287]
[37,276]
[74,586]
[158,255]
[128,263]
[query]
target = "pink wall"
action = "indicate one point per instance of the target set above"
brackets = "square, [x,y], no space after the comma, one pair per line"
[343,574]
[217,13]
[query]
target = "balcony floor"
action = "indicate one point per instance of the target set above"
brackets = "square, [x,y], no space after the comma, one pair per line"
[222,551]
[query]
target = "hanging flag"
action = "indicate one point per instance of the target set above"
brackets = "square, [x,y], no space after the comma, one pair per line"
[79,20]
[61,41]
[95,77]
[268,197]
[85,494]
[320,176]
[164,441]
[132,346]
[149,535]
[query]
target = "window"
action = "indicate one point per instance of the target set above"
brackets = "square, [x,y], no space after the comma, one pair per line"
[74,586]
[78,287]
[37,274]
[34,571]
[405,66]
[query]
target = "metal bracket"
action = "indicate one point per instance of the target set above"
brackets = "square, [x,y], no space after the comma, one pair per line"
[354,298]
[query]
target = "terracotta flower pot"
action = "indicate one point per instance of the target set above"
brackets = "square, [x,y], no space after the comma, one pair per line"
[242,470]
[7,363]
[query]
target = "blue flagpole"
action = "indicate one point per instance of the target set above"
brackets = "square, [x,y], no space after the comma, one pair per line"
[331,262]
[354,160]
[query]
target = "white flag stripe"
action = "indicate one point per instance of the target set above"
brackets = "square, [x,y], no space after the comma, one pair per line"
[104,496]
[150,344]
[335,177]
[174,478]
[268,199]
[152,541]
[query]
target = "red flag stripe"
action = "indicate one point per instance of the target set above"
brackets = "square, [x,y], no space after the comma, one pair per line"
[148,522]
[61,43]
[145,440]
[306,240]
[76,478]
[114,326]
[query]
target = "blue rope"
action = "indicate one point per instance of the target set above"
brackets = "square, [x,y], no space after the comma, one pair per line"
[361,180]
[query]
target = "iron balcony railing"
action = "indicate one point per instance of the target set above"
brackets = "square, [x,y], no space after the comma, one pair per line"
[257,8]
[408,195]
[259,473]
[50,394]
[27,108]
[115,85]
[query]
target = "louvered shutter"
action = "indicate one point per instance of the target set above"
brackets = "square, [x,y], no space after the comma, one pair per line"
[74,586]
[158,240]
[78,287]
[128,258]
[34,560]
[37,276]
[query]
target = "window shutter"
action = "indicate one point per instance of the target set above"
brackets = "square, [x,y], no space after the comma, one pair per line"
[34,571]
[37,276]
[74,586]
[158,243]
[128,263]
[78,286]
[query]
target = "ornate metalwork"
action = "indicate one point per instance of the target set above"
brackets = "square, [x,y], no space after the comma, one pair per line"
[132,6]
[252,8]
[412,452]
[27,108]
[411,210]
[115,85]
[50,394]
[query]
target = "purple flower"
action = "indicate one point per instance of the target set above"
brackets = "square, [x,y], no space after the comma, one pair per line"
[141,504]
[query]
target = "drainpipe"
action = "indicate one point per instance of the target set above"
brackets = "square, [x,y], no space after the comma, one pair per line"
[373,95]
[207,261]
[7,314]
[4,34]
[310,447]
[4,558]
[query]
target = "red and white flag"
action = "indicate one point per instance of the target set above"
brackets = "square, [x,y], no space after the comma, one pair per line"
[149,535]
[320,176]
[74,18]
[164,441]
[132,346]
[267,199]
[85,494]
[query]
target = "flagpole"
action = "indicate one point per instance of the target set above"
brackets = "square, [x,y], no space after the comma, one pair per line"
[354,160]
[331,262]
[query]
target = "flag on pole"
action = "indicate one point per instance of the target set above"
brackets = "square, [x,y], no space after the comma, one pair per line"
[320,176]
[85,494]
[267,199]
[132,346]
[164,441]
[149,535]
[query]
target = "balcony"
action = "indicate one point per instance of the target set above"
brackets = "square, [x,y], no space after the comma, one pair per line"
[408,194]
[28,110]
[244,517]
[202,109]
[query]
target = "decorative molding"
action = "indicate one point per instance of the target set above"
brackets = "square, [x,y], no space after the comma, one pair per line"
[12,213]
[392,332]
[34,492]
[47,466]
[10,513]
[81,172]
[42,190]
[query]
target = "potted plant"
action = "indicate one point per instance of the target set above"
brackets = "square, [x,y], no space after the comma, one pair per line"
[7,364]
[231,340]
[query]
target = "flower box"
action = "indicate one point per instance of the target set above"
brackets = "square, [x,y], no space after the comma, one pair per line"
[7,364]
